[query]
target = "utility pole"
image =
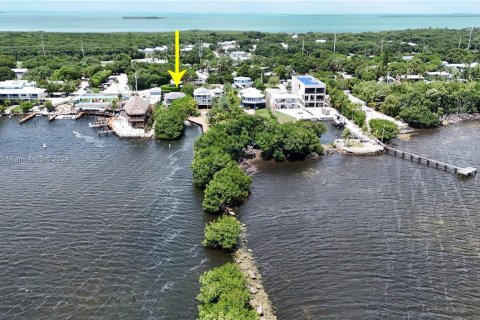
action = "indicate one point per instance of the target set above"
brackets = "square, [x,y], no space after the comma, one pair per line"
[83,52]
[459,42]
[43,45]
[303,46]
[470,39]
[381,47]
[136,82]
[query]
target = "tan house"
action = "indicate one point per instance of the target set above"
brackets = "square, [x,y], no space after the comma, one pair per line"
[137,111]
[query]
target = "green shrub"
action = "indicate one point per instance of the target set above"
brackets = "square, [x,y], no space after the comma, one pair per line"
[419,117]
[49,106]
[100,77]
[228,187]
[222,233]
[224,295]
[170,122]
[383,129]
[26,106]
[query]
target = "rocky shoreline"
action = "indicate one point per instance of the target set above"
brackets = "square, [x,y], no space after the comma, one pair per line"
[260,302]
[456,118]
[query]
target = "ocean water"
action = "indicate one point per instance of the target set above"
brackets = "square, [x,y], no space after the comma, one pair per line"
[371,237]
[113,22]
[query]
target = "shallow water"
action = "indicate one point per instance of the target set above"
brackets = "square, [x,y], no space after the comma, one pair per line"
[371,237]
[114,232]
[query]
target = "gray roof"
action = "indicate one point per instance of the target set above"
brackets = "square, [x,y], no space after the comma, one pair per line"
[174,95]
[136,106]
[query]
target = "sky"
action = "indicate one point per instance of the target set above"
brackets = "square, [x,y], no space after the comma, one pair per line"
[250,6]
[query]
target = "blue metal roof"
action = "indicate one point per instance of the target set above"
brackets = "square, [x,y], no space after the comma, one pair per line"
[308,81]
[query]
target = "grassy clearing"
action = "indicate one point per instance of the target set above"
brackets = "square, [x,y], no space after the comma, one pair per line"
[281,117]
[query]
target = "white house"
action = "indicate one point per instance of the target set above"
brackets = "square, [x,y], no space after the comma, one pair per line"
[202,77]
[310,91]
[252,98]
[283,100]
[439,75]
[239,56]
[19,72]
[21,90]
[203,97]
[151,51]
[216,93]
[154,95]
[242,82]
[228,45]
[171,96]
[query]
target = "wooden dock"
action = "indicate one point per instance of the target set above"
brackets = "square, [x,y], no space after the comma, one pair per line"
[52,117]
[27,117]
[461,172]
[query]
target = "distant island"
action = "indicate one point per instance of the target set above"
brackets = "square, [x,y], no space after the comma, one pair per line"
[143,17]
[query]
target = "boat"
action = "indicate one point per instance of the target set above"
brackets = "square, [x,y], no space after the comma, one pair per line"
[339,121]
[77,134]
[44,145]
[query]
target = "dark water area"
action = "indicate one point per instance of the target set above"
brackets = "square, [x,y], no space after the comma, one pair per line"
[371,237]
[113,233]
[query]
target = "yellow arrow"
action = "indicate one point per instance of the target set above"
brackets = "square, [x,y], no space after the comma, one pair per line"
[177,74]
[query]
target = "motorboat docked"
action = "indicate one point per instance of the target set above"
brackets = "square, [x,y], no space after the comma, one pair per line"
[339,121]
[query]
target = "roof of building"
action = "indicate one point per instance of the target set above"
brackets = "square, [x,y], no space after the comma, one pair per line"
[283,95]
[19,70]
[252,93]
[309,80]
[201,91]
[174,95]
[242,78]
[136,106]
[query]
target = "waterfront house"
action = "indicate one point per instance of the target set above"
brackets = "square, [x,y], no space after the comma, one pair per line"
[154,95]
[252,98]
[203,97]
[310,91]
[242,82]
[21,90]
[137,111]
[95,101]
[171,96]
[283,100]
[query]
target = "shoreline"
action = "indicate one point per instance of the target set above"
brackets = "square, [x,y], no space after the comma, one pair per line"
[245,260]
[453,119]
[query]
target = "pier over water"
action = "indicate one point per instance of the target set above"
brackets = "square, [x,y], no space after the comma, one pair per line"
[460,171]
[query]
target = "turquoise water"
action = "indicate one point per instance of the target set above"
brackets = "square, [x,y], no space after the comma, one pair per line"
[113,22]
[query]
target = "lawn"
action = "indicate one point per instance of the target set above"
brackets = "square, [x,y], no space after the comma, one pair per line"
[281,117]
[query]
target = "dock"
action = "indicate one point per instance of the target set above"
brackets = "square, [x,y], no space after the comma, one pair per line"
[201,120]
[52,117]
[27,117]
[461,172]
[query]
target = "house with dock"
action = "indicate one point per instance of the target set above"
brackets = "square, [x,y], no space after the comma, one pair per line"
[95,102]
[21,90]
[310,91]
[137,111]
